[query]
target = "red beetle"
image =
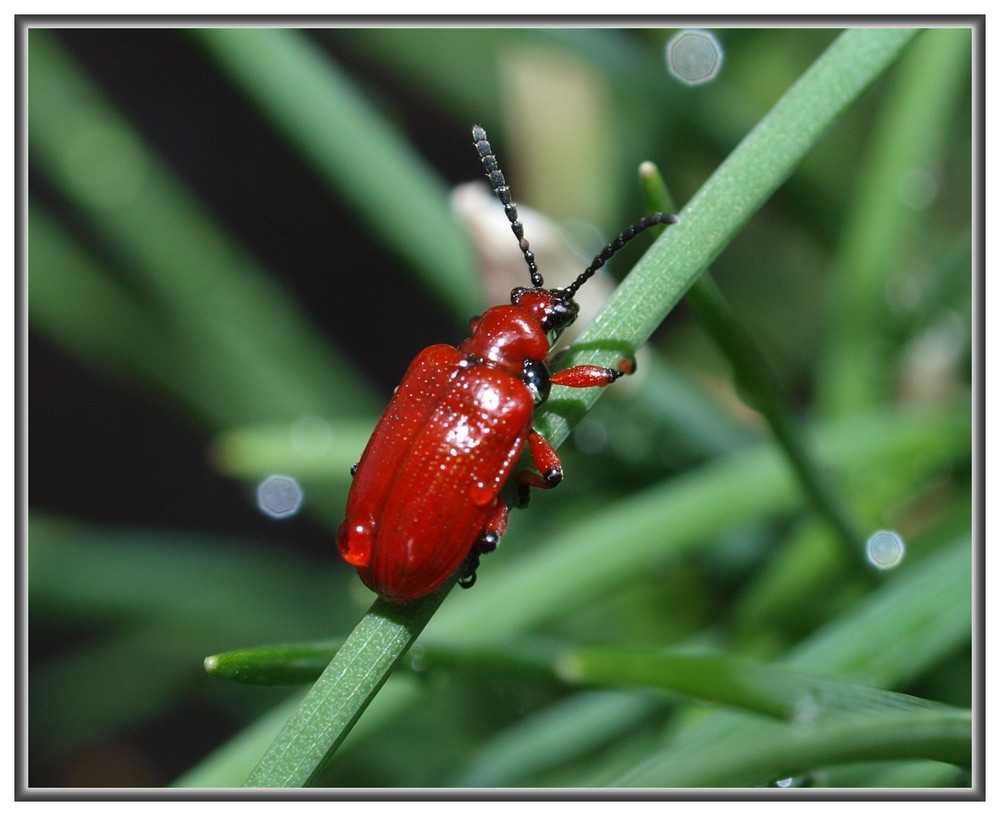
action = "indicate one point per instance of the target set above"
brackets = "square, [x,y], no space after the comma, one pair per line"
[426,497]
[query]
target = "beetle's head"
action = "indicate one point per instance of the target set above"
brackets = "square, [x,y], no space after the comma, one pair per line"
[553,308]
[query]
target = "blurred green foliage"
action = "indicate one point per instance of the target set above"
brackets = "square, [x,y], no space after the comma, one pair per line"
[680,527]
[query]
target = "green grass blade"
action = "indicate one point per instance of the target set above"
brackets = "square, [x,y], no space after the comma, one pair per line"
[766,752]
[915,774]
[281,665]
[121,573]
[897,632]
[67,287]
[928,90]
[756,381]
[572,727]
[295,663]
[312,449]
[210,298]
[228,765]
[342,693]
[160,600]
[774,690]
[354,148]
[898,620]
[231,763]
[740,186]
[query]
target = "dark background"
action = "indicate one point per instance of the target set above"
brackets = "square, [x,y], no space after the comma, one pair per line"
[87,422]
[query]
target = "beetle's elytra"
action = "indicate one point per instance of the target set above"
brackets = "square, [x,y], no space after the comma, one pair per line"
[426,502]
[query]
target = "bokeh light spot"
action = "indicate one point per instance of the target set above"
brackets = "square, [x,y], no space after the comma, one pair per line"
[279,496]
[885,549]
[694,56]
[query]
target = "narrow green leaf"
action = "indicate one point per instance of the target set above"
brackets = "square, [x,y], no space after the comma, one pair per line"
[756,381]
[305,662]
[770,689]
[737,189]
[766,752]
[898,631]
[230,764]
[570,728]
[68,286]
[927,90]
[915,774]
[898,621]
[159,600]
[285,665]
[311,448]
[210,297]
[342,693]
[354,148]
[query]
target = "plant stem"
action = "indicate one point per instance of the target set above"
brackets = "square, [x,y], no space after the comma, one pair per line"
[758,384]
[342,693]
[738,188]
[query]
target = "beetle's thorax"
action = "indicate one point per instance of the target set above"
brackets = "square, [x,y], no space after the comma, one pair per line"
[506,336]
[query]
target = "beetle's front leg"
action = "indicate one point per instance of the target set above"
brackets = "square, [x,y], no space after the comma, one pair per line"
[588,376]
[543,455]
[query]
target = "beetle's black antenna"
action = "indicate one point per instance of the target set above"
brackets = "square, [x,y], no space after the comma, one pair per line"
[503,193]
[605,254]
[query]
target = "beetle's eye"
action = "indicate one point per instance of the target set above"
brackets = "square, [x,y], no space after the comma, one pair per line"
[515,295]
[563,313]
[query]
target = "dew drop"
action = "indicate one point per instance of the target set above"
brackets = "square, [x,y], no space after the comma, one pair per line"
[354,542]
